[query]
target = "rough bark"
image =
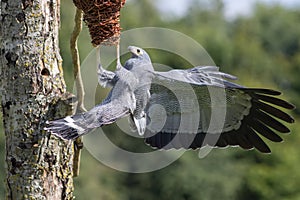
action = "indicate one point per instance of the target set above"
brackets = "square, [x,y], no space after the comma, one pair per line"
[33,90]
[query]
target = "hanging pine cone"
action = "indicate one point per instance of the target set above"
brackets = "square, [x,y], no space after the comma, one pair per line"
[103,19]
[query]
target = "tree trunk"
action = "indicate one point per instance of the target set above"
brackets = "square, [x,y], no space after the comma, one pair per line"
[33,90]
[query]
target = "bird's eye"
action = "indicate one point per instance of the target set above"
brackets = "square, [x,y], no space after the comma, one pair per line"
[138,51]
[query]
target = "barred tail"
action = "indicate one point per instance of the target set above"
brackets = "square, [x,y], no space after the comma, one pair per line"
[68,128]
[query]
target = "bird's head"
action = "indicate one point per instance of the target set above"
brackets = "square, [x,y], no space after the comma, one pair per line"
[139,60]
[139,53]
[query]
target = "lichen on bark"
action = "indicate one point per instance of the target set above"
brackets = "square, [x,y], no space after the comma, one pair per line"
[32,91]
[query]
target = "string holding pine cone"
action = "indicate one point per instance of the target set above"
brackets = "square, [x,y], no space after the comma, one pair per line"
[103,19]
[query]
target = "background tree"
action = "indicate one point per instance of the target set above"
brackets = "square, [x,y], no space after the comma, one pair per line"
[33,91]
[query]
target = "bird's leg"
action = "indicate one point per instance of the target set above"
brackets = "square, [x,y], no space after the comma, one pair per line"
[105,77]
[118,57]
[98,60]
[100,69]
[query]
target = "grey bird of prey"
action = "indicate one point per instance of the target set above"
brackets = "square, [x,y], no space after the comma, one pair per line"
[129,96]
[186,109]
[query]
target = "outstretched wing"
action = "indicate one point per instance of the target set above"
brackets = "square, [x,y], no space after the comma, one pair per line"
[197,107]
[201,75]
[72,127]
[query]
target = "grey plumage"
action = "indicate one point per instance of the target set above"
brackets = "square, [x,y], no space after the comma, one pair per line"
[128,96]
[182,108]
[140,65]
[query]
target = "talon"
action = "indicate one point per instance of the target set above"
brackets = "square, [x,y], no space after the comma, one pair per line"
[100,69]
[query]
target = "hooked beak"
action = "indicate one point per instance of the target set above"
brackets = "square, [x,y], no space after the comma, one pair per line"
[134,51]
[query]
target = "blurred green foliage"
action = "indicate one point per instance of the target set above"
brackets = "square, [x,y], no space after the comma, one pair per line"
[263,50]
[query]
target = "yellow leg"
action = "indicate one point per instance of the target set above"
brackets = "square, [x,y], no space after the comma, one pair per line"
[118,56]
